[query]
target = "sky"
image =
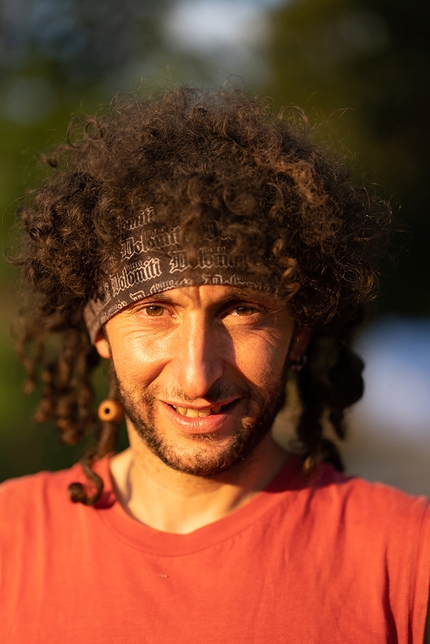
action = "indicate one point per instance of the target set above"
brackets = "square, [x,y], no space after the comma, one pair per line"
[227,32]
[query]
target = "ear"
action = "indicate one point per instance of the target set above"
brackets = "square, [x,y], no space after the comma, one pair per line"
[102,345]
[299,343]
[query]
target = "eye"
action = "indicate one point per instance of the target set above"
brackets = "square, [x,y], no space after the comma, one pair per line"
[153,311]
[245,310]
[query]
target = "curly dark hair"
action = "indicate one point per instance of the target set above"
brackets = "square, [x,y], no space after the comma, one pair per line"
[199,154]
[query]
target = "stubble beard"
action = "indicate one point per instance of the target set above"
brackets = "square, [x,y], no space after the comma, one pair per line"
[206,455]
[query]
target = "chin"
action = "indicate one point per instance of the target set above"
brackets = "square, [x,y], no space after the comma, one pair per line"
[208,456]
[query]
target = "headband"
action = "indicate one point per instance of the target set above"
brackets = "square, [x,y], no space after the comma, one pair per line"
[153,260]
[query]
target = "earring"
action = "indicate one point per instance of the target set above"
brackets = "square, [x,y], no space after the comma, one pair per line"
[110,410]
[298,363]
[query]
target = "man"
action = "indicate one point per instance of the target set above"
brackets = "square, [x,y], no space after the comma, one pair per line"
[209,252]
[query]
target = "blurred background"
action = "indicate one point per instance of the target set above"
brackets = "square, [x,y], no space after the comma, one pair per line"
[361,67]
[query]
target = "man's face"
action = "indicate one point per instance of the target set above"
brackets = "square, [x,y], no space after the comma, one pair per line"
[201,372]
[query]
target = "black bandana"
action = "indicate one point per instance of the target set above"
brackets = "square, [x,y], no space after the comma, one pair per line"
[153,261]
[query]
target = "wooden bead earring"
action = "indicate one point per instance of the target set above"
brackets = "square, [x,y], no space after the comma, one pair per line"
[110,411]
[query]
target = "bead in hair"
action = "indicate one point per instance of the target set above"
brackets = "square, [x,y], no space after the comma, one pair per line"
[110,411]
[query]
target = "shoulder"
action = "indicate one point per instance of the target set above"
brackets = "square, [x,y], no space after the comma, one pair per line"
[30,503]
[334,501]
[33,488]
[366,496]
[374,515]
[39,519]
[41,499]
[333,489]
[376,540]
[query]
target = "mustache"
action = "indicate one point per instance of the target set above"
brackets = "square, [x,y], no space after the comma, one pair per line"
[216,394]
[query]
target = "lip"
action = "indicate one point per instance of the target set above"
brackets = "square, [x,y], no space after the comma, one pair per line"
[200,425]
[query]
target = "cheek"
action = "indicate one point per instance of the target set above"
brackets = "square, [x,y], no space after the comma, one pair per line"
[262,360]
[137,361]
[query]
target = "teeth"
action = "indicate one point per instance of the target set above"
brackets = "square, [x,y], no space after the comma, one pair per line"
[198,413]
[192,413]
[203,412]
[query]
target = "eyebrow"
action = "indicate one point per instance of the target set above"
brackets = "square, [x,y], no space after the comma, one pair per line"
[236,294]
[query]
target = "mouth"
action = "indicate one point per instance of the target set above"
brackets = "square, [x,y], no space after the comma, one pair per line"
[217,418]
[202,412]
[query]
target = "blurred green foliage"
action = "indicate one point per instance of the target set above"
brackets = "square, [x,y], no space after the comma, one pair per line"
[59,57]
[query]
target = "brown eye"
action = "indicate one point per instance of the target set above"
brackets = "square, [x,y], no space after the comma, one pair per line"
[154,311]
[244,310]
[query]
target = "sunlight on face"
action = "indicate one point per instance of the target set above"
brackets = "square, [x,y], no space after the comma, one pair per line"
[201,372]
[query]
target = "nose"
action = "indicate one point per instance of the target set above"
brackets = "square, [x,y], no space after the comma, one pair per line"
[197,361]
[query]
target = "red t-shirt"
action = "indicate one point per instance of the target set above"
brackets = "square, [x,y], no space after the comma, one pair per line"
[327,560]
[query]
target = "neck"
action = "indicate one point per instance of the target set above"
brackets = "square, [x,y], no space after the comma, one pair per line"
[158,496]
